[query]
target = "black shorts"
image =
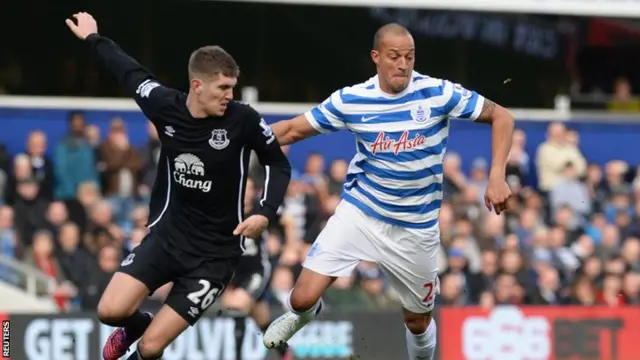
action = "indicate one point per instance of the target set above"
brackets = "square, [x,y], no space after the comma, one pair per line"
[253,278]
[197,282]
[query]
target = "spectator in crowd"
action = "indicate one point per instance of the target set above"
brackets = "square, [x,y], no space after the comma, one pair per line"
[479,177]
[41,167]
[304,208]
[454,179]
[30,211]
[122,167]
[631,288]
[571,192]
[597,190]
[88,195]
[22,170]
[547,291]
[518,164]
[99,275]
[56,215]
[92,134]
[42,257]
[5,170]
[337,176]
[98,232]
[74,160]
[8,245]
[75,262]
[554,154]
[623,100]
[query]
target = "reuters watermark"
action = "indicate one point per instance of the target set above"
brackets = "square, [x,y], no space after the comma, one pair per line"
[6,339]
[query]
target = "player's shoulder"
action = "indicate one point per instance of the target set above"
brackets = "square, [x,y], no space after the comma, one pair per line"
[421,81]
[363,92]
[365,88]
[152,87]
[243,112]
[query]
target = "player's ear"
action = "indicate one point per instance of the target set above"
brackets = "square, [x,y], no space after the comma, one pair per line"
[197,86]
[375,56]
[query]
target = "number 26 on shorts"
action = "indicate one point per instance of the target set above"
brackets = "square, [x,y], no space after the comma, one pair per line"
[206,296]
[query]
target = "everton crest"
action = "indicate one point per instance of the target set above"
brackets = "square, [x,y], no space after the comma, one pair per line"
[219,139]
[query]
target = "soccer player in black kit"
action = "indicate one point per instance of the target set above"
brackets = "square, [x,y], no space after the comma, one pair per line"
[198,237]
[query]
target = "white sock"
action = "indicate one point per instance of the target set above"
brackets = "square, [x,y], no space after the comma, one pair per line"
[423,346]
[312,311]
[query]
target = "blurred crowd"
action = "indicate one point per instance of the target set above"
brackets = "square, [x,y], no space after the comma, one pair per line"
[73,210]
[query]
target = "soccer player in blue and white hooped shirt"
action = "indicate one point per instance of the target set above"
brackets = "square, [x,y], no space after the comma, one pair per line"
[392,196]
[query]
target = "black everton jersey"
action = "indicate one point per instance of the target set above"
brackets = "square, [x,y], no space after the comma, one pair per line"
[198,196]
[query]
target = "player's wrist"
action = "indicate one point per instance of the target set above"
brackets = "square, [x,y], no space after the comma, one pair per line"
[267,214]
[92,37]
[498,173]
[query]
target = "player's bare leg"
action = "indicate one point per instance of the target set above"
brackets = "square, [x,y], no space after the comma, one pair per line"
[165,327]
[304,305]
[118,307]
[420,334]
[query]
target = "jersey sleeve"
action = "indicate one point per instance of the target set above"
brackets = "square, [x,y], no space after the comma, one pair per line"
[276,165]
[462,103]
[148,93]
[326,117]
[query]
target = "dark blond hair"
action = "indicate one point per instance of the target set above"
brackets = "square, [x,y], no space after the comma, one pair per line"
[210,61]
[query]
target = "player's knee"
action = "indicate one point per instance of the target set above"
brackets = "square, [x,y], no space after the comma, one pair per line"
[111,313]
[417,323]
[150,348]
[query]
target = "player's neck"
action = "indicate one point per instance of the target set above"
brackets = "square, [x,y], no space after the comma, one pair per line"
[386,88]
[194,108]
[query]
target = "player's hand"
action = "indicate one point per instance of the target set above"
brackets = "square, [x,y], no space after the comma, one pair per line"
[252,227]
[84,25]
[497,195]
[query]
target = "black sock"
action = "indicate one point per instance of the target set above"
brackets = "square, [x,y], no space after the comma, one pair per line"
[136,324]
[239,334]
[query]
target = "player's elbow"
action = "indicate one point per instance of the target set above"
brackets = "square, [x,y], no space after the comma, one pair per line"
[284,132]
[501,117]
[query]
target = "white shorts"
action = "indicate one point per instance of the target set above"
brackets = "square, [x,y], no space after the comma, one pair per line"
[408,257]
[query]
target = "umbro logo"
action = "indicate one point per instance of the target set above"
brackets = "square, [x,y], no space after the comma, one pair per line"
[369,118]
[193,311]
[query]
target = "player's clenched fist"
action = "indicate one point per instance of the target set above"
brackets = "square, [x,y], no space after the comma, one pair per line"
[497,195]
[252,227]
[83,26]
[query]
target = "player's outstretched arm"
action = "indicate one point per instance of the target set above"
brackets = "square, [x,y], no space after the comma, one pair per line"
[322,119]
[129,73]
[293,130]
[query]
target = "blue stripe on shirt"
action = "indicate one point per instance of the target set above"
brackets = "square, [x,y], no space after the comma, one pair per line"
[398,192]
[399,175]
[393,221]
[421,94]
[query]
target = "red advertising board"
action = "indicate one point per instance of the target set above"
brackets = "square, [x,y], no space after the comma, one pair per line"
[540,333]
[6,337]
